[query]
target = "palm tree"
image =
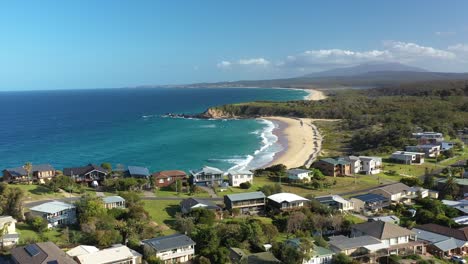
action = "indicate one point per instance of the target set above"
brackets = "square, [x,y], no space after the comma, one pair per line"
[28,168]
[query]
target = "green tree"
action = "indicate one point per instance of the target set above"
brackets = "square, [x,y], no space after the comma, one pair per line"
[341,258]
[28,168]
[89,207]
[450,187]
[39,224]
[107,166]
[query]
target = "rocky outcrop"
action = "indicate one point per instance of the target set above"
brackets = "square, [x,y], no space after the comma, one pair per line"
[217,113]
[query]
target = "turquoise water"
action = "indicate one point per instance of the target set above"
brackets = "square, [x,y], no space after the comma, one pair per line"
[125,126]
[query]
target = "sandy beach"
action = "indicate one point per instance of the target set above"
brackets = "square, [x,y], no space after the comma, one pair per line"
[301,138]
[315,95]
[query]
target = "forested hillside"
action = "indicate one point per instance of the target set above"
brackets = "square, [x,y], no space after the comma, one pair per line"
[381,118]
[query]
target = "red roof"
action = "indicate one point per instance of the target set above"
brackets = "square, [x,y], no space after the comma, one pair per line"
[170,173]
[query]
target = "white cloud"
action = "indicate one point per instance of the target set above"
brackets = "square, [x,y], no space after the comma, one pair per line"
[254,61]
[224,64]
[459,48]
[445,33]
[407,51]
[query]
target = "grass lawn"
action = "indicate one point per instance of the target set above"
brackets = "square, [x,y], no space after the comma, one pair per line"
[28,234]
[169,193]
[354,219]
[163,213]
[34,192]
[335,139]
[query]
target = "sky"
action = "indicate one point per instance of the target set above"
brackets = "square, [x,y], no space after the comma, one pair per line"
[115,43]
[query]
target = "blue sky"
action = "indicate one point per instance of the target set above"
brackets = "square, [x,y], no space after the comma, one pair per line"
[103,44]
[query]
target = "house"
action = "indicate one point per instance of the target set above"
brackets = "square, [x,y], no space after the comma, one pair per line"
[247,203]
[56,213]
[336,202]
[369,202]
[238,256]
[10,237]
[187,205]
[460,205]
[117,254]
[355,164]
[444,146]
[388,218]
[461,220]
[206,176]
[395,192]
[81,250]
[39,173]
[416,191]
[86,174]
[175,248]
[168,177]
[113,202]
[398,240]
[370,165]
[433,194]
[333,167]
[462,184]
[318,255]
[299,175]
[40,253]
[362,245]
[137,172]
[408,158]
[430,151]
[238,177]
[443,241]
[286,201]
[428,137]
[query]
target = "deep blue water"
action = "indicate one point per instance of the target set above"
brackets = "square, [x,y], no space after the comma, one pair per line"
[124,126]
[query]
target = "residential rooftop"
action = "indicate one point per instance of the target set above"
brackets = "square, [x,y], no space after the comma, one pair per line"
[52,207]
[113,199]
[245,196]
[286,197]
[382,230]
[165,243]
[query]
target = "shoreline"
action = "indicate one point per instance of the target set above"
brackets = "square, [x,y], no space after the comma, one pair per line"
[300,139]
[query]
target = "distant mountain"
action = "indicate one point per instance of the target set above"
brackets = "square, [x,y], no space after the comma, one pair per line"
[366,68]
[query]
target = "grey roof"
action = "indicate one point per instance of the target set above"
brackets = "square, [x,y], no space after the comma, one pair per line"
[321,251]
[83,170]
[329,198]
[47,253]
[298,171]
[191,202]
[20,171]
[335,161]
[433,237]
[447,245]
[138,171]
[343,243]
[52,207]
[262,258]
[459,181]
[395,188]
[169,242]
[113,199]
[245,196]
[382,230]
[240,172]
[206,170]
[370,198]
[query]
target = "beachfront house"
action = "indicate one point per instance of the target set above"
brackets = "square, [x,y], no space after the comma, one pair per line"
[177,248]
[38,173]
[111,202]
[247,203]
[10,237]
[409,158]
[236,178]
[286,202]
[356,246]
[428,137]
[189,204]
[86,174]
[206,176]
[395,192]
[333,167]
[56,213]
[370,165]
[169,177]
[137,172]
[369,203]
[117,254]
[300,175]
[443,241]
[355,163]
[430,151]
[336,202]
[40,253]
[317,255]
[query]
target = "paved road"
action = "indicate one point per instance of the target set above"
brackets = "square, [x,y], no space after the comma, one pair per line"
[73,199]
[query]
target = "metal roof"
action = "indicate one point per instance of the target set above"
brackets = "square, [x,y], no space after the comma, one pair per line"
[52,207]
[138,171]
[370,198]
[113,199]
[327,198]
[245,196]
[83,170]
[109,255]
[20,171]
[206,170]
[169,242]
[335,161]
[286,197]
[240,172]
[342,243]
[298,171]
[382,230]
[191,202]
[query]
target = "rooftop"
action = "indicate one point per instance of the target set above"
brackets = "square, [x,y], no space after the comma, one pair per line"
[40,253]
[169,173]
[109,255]
[461,234]
[81,250]
[191,202]
[298,171]
[6,219]
[342,243]
[286,197]
[136,170]
[335,161]
[382,230]
[335,198]
[52,207]
[246,196]
[20,171]
[113,199]
[206,170]
[395,188]
[240,172]
[83,170]
[459,181]
[169,242]
[370,198]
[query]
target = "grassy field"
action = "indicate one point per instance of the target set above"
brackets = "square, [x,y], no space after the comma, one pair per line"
[163,213]
[27,234]
[168,193]
[34,192]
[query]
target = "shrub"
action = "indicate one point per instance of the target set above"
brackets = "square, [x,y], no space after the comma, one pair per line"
[245,185]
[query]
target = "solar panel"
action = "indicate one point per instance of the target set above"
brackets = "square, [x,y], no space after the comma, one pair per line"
[52,262]
[32,250]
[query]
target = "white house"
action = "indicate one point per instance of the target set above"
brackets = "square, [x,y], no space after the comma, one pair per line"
[177,248]
[335,201]
[407,157]
[56,213]
[10,237]
[355,164]
[113,202]
[238,177]
[370,165]
[117,254]
[299,175]
[319,255]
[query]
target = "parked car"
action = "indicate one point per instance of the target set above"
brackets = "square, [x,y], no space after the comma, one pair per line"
[457,259]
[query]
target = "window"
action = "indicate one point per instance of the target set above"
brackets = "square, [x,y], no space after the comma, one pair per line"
[161,180]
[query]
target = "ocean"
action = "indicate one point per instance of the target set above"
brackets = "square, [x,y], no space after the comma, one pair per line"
[127,127]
